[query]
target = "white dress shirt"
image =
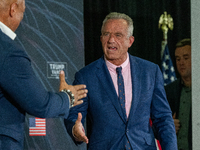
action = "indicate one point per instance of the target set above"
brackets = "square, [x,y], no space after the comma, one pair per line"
[7,31]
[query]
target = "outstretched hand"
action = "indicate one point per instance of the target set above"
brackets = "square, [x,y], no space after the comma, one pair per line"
[78,130]
[79,91]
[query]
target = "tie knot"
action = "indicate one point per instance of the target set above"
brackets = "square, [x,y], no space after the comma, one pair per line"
[119,70]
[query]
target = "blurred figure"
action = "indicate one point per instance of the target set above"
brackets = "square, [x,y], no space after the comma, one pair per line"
[179,95]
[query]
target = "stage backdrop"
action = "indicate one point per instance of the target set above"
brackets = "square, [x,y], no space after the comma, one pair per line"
[52,35]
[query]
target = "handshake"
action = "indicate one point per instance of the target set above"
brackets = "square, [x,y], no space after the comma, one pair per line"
[76,92]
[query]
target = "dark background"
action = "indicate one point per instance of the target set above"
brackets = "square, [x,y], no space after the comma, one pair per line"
[145,15]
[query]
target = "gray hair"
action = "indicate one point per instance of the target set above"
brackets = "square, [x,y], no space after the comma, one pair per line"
[116,15]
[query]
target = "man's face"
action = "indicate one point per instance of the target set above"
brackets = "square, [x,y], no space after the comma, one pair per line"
[183,61]
[115,40]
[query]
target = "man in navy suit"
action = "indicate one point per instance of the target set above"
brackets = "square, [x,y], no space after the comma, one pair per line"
[20,90]
[116,124]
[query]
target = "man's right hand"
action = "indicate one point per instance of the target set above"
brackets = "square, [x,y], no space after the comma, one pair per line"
[176,123]
[79,91]
[78,130]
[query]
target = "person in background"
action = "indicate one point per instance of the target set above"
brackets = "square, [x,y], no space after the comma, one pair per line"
[179,95]
[124,92]
[20,90]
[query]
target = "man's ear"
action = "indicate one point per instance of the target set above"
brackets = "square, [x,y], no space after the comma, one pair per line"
[131,40]
[13,9]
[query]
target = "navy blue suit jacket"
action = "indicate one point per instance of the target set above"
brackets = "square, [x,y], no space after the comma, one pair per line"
[109,126]
[21,92]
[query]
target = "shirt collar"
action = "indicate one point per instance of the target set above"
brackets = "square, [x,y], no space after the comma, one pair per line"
[7,31]
[113,67]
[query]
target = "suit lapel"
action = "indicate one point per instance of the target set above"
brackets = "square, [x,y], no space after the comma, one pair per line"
[107,85]
[136,85]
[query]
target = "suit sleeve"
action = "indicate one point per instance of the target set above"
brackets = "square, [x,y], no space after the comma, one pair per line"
[25,91]
[162,116]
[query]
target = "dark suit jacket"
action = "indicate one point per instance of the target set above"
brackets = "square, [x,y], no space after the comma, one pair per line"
[173,92]
[21,92]
[109,126]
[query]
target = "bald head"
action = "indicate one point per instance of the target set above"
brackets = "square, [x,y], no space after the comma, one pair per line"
[4,4]
[12,12]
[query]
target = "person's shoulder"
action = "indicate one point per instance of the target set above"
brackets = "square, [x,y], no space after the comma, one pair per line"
[93,65]
[173,84]
[143,63]
[140,60]
[5,38]
[10,49]
[6,43]
[6,46]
